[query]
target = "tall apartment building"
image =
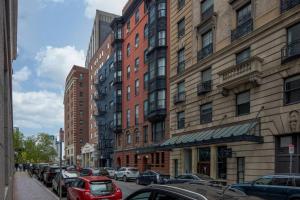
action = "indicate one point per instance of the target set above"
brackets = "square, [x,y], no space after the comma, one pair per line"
[141,90]
[92,151]
[101,29]
[236,88]
[8,53]
[76,101]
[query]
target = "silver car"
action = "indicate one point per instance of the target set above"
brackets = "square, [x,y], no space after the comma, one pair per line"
[126,173]
[111,171]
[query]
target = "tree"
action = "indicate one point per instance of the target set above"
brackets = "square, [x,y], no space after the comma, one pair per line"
[18,142]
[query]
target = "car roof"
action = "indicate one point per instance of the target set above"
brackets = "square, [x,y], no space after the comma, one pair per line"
[281,175]
[95,178]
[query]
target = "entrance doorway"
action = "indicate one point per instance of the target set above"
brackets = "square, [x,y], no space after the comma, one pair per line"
[145,163]
[187,161]
[203,166]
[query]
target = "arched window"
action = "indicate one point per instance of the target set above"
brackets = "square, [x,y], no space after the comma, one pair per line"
[146,31]
[137,40]
[128,49]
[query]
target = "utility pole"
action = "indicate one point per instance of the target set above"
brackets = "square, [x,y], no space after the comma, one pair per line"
[60,169]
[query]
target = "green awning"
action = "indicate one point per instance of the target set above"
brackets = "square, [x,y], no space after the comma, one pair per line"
[249,131]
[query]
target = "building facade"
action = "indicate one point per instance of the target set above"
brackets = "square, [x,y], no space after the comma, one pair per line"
[76,99]
[235,87]
[8,53]
[101,57]
[101,29]
[141,89]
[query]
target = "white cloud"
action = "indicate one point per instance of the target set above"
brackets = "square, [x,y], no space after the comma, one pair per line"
[55,63]
[38,110]
[112,6]
[21,76]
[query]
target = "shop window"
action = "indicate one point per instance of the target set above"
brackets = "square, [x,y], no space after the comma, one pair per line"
[203,166]
[292,90]
[222,163]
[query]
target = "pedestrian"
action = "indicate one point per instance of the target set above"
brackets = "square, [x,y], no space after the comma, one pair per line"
[24,167]
[17,166]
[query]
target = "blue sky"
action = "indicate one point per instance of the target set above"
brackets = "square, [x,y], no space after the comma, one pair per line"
[52,36]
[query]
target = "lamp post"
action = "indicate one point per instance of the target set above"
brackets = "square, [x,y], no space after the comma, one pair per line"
[60,169]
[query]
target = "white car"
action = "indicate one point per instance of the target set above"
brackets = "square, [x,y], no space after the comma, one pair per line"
[126,173]
[111,171]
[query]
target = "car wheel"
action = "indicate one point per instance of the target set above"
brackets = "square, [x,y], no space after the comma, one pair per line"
[137,181]
[124,178]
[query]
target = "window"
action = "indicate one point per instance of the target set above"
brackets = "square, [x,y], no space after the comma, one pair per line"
[180,120]
[206,113]
[293,34]
[146,79]
[242,56]
[292,90]
[128,92]
[285,141]
[243,14]
[136,115]
[152,42]
[206,78]
[161,38]
[222,162]
[152,102]
[137,87]
[151,14]
[80,84]
[243,103]
[145,56]
[157,158]
[181,27]
[137,16]
[181,61]
[128,118]
[80,76]
[180,4]
[128,26]
[151,70]
[161,9]
[146,31]
[181,90]
[158,130]
[128,49]
[145,134]
[240,170]
[81,94]
[137,40]
[206,5]
[207,39]
[145,108]
[161,99]
[128,71]
[161,66]
[137,64]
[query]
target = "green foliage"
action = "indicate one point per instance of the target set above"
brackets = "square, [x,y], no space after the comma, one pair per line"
[33,149]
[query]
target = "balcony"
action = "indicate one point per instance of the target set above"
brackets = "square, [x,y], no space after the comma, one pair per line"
[246,72]
[242,30]
[117,128]
[205,51]
[290,52]
[155,113]
[208,13]
[285,5]
[179,98]
[204,87]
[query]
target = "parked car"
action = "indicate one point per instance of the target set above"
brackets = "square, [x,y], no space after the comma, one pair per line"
[111,171]
[273,187]
[94,188]
[64,179]
[49,174]
[151,177]
[42,169]
[38,167]
[100,172]
[189,178]
[126,173]
[86,172]
[188,191]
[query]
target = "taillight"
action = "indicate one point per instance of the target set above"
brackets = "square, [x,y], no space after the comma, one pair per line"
[118,194]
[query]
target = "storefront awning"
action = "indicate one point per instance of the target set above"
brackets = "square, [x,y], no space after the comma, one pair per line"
[249,131]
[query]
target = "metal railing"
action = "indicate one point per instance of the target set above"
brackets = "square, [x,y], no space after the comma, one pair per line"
[288,4]
[290,51]
[204,87]
[180,97]
[242,29]
[205,51]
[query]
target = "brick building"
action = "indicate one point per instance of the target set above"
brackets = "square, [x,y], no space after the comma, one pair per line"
[8,53]
[236,87]
[141,60]
[76,113]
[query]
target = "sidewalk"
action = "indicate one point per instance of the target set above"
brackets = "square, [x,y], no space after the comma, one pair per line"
[27,188]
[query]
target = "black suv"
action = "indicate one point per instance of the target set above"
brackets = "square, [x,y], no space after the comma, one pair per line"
[273,187]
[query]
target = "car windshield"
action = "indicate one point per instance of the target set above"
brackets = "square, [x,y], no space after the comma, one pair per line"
[101,187]
[70,175]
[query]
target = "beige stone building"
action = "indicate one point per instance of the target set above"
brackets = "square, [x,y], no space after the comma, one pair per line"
[235,83]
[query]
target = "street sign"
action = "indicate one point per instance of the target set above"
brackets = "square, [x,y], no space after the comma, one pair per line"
[291,149]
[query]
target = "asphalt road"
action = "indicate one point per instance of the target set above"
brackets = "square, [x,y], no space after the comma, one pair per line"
[128,187]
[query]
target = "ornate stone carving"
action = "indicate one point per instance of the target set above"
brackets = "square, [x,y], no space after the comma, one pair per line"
[294,121]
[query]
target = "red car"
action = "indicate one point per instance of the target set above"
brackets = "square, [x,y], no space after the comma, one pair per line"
[94,188]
